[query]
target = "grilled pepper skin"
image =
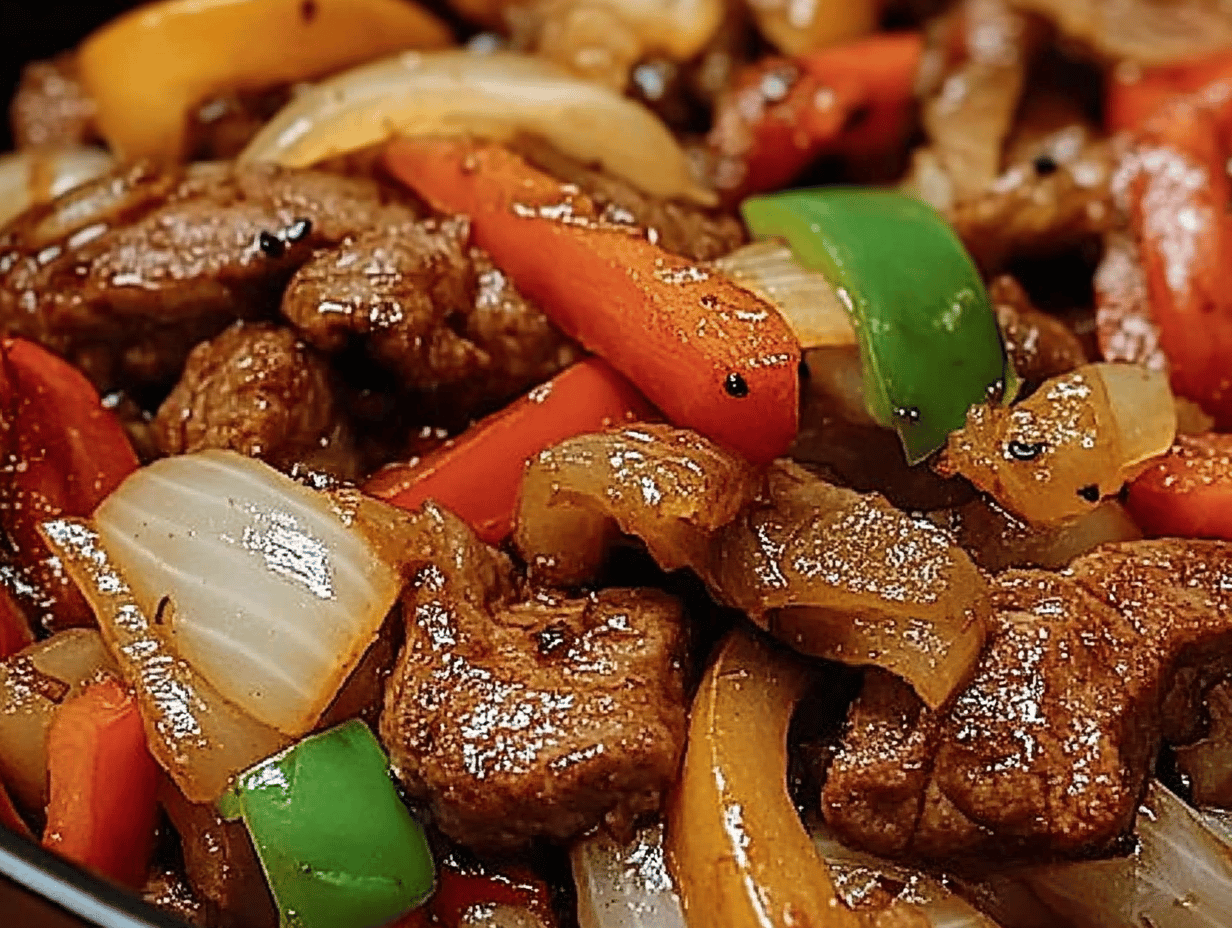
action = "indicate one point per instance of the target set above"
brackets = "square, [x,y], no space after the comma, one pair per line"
[929,341]
[338,847]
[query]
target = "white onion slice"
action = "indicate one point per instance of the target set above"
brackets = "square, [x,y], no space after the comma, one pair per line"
[805,298]
[858,875]
[497,96]
[36,176]
[625,885]
[32,683]
[275,595]
[199,738]
[1180,876]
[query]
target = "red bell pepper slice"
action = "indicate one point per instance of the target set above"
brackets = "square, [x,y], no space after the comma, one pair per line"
[1179,194]
[1130,101]
[781,114]
[68,452]
[710,355]
[103,784]
[1188,492]
[478,475]
[461,892]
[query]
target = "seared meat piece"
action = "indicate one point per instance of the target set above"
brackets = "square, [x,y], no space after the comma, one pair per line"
[50,106]
[125,275]
[516,713]
[1040,345]
[257,389]
[681,228]
[431,310]
[1053,199]
[1048,749]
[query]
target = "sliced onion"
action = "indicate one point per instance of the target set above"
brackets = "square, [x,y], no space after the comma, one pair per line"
[199,738]
[497,95]
[1142,31]
[625,885]
[805,298]
[861,879]
[37,175]
[1180,875]
[32,683]
[145,70]
[740,854]
[274,597]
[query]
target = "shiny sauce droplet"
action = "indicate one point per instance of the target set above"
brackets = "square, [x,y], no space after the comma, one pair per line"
[736,386]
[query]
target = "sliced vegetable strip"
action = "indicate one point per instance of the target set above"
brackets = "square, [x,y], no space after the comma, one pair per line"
[929,343]
[478,476]
[147,69]
[1130,101]
[69,453]
[338,847]
[708,353]
[103,784]
[783,113]
[1187,493]
[1179,192]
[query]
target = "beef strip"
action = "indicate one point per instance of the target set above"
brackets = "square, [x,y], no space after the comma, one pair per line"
[50,106]
[123,276]
[434,312]
[1039,345]
[259,390]
[1048,749]
[1053,199]
[516,713]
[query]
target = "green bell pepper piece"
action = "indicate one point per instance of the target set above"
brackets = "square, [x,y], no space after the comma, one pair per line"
[338,847]
[929,341]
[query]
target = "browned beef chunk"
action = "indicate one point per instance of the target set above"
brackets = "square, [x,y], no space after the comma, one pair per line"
[50,106]
[1040,345]
[1055,197]
[123,276]
[259,390]
[1048,749]
[681,228]
[515,714]
[434,312]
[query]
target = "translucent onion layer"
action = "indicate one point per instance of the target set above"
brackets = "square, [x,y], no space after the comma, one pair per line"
[494,96]
[268,588]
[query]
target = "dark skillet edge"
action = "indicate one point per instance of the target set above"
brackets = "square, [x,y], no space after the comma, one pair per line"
[91,899]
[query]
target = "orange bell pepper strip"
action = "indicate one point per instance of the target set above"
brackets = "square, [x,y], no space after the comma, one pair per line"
[711,355]
[68,452]
[1130,101]
[478,475]
[781,114]
[1178,196]
[103,784]
[1188,492]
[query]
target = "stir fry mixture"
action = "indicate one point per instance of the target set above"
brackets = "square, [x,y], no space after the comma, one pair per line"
[618,464]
